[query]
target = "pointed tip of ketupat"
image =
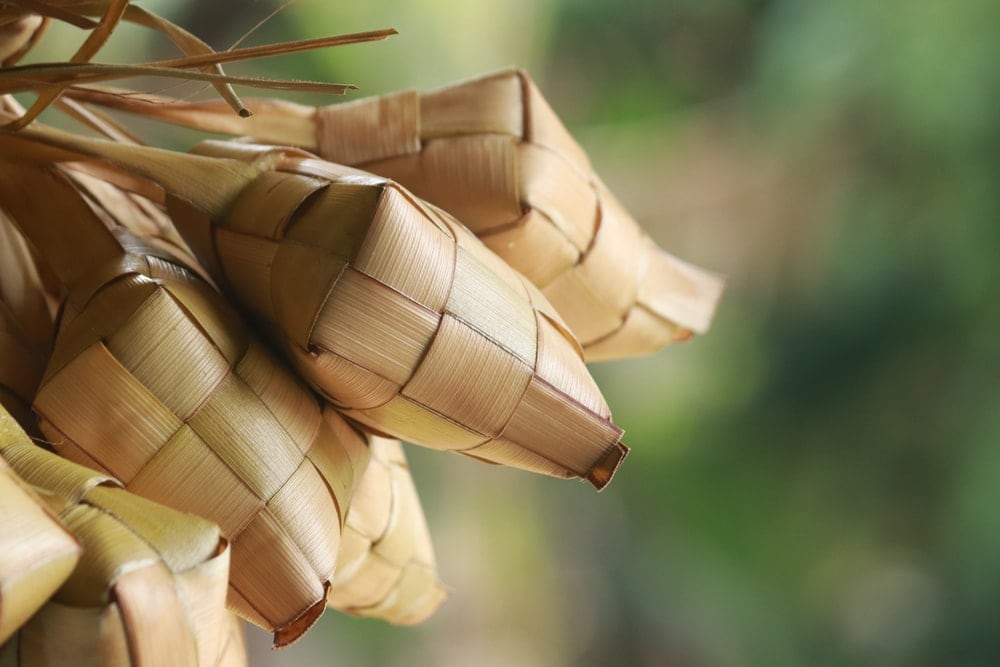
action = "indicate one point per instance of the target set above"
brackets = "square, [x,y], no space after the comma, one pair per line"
[602,473]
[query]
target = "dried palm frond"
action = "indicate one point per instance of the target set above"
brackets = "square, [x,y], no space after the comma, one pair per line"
[389,306]
[19,28]
[493,153]
[386,567]
[154,379]
[150,587]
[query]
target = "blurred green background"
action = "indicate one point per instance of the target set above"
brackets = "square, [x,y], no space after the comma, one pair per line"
[817,480]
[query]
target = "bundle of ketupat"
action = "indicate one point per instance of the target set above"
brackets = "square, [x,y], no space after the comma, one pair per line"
[382,302]
[377,575]
[401,320]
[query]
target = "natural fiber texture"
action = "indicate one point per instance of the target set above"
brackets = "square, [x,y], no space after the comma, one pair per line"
[25,325]
[155,380]
[402,318]
[150,588]
[131,211]
[37,552]
[234,651]
[386,565]
[493,153]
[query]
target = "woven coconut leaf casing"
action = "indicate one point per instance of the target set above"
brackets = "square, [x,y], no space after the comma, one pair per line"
[386,568]
[25,325]
[154,379]
[402,318]
[37,552]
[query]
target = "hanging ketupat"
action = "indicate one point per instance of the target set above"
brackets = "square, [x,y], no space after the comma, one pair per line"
[385,565]
[383,302]
[156,381]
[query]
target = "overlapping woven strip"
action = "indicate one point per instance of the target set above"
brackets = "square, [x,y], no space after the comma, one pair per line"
[154,379]
[493,153]
[386,567]
[37,552]
[402,318]
[150,587]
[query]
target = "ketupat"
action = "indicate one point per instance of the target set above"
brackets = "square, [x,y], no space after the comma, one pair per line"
[154,379]
[385,304]
[37,552]
[150,587]
[492,152]
[385,565]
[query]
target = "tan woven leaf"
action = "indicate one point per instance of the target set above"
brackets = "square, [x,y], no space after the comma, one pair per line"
[150,587]
[37,552]
[386,566]
[154,379]
[402,318]
[492,152]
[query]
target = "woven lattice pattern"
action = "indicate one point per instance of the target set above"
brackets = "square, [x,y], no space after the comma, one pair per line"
[404,320]
[493,153]
[155,380]
[386,568]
